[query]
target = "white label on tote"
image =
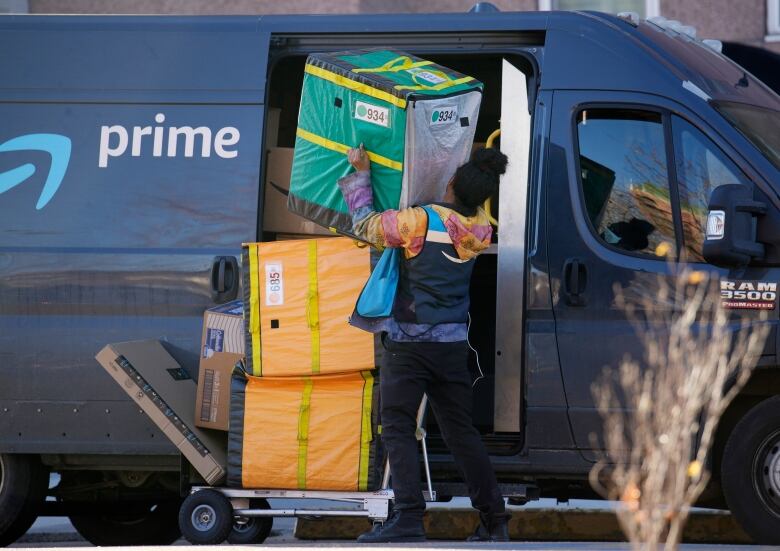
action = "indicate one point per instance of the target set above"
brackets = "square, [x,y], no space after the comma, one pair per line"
[426,75]
[274,284]
[444,115]
[372,113]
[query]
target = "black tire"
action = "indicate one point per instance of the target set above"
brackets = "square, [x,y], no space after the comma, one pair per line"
[255,529]
[206,518]
[155,525]
[23,486]
[750,472]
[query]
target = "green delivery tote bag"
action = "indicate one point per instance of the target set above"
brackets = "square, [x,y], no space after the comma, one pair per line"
[416,119]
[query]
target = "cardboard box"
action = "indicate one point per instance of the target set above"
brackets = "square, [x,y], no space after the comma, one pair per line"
[276,217]
[222,345]
[272,115]
[166,393]
[212,403]
[298,236]
[223,330]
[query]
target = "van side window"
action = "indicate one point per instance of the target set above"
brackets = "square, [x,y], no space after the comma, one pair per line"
[701,167]
[624,178]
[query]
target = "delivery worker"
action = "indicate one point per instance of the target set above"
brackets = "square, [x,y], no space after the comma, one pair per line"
[426,336]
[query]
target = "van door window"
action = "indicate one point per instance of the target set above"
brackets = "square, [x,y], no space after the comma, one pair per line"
[624,178]
[701,167]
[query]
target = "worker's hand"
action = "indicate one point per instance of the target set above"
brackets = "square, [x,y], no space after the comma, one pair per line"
[358,158]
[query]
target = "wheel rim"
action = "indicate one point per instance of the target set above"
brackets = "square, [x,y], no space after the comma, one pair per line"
[245,526]
[203,518]
[766,472]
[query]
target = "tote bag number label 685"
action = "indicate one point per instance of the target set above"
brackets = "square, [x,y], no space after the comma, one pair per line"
[274,284]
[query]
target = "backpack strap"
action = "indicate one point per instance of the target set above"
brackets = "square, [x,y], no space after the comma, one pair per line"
[437,232]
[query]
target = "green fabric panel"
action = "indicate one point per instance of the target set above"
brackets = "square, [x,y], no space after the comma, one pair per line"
[316,169]
[320,115]
[328,166]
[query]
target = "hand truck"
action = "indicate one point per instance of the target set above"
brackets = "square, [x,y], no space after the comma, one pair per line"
[212,515]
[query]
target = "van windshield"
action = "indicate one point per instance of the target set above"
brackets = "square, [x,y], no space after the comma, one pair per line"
[759,125]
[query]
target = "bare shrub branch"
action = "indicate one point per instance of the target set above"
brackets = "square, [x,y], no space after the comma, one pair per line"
[660,419]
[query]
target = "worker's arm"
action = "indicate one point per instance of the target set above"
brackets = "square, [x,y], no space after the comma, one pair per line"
[392,228]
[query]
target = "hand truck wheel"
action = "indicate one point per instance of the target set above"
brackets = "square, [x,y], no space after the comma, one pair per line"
[253,529]
[206,518]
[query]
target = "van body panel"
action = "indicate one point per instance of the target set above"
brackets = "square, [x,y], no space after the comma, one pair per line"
[407,23]
[124,251]
[133,59]
[596,332]
[118,252]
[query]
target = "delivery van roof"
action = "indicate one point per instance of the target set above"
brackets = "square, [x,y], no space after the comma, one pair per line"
[223,59]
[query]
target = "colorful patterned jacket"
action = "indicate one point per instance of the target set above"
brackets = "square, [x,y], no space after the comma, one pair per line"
[406,228]
[422,313]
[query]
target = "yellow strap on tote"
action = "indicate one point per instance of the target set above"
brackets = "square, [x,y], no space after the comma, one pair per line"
[341,148]
[440,86]
[366,434]
[254,310]
[313,307]
[345,82]
[304,414]
[392,66]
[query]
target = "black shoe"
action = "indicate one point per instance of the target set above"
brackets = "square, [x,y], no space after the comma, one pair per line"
[373,533]
[492,528]
[401,527]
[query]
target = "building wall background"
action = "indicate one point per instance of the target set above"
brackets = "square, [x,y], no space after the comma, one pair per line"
[243,7]
[736,20]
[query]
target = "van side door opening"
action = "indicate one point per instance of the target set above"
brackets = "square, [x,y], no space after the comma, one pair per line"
[284,89]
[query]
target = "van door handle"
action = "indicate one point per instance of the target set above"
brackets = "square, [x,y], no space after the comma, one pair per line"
[575,280]
[224,279]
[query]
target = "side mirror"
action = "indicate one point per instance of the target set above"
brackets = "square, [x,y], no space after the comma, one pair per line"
[730,237]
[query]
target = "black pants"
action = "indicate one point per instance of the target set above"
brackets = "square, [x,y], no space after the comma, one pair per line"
[439,370]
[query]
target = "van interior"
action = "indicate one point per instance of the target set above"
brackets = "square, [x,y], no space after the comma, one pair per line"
[283,100]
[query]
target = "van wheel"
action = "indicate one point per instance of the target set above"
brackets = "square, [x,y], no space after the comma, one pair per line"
[206,518]
[23,486]
[155,525]
[750,472]
[252,529]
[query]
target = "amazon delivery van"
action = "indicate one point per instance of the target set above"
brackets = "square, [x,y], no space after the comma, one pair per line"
[137,153]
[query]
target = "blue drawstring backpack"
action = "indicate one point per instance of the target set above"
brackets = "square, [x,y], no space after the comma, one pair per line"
[378,295]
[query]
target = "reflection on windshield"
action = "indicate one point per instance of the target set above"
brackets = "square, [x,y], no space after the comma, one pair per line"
[759,125]
[701,167]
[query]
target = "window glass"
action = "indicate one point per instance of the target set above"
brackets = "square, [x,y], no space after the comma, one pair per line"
[701,167]
[609,6]
[773,16]
[624,178]
[759,125]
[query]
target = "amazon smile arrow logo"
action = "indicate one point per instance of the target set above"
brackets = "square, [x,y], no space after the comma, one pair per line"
[56,145]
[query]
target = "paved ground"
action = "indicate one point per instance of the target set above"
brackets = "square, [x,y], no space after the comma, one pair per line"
[59,533]
[530,546]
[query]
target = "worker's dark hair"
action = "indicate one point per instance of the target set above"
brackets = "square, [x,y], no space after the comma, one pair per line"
[477,180]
